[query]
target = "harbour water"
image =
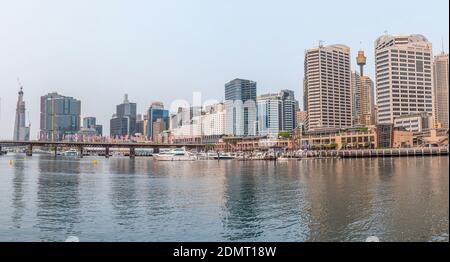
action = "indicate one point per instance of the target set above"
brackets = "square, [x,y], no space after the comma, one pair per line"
[118,199]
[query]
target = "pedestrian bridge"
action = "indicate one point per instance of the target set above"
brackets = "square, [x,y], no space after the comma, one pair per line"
[106,145]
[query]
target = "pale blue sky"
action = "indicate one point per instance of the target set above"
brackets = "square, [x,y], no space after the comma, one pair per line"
[97,50]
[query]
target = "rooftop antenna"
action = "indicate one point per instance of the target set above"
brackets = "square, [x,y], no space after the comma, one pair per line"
[443,45]
[321,42]
[386,32]
[20,84]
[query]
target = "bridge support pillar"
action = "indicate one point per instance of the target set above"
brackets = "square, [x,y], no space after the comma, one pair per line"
[107,152]
[132,152]
[29,150]
[81,151]
[56,150]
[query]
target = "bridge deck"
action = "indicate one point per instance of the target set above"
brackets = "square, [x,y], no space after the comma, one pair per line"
[95,144]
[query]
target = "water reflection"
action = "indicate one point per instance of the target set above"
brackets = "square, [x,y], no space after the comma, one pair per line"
[123,192]
[58,202]
[118,199]
[18,202]
[242,219]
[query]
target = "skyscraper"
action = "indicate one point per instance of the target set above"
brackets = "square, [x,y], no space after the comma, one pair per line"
[90,123]
[240,106]
[269,114]
[363,101]
[21,131]
[155,112]
[60,117]
[441,85]
[123,122]
[327,87]
[277,113]
[403,76]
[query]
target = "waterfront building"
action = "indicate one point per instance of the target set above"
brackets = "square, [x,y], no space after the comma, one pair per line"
[372,137]
[276,113]
[338,138]
[441,86]
[289,107]
[404,76]
[188,132]
[206,126]
[362,90]
[385,135]
[21,129]
[328,87]
[60,117]
[269,115]
[123,122]
[155,112]
[433,137]
[402,139]
[414,122]
[239,144]
[213,121]
[240,106]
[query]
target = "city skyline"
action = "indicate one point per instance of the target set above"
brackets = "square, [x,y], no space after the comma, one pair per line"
[81,79]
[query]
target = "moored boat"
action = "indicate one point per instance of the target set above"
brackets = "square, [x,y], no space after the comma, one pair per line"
[71,153]
[178,154]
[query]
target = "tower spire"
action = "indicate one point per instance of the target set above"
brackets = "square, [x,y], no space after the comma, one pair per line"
[20,86]
[361,61]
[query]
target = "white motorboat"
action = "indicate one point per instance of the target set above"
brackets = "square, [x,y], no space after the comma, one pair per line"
[178,154]
[71,153]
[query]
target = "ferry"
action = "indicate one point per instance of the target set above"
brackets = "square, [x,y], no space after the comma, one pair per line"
[178,154]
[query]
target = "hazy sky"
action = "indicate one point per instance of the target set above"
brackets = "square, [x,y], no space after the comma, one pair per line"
[97,50]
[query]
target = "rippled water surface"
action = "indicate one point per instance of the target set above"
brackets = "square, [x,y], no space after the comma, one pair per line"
[118,199]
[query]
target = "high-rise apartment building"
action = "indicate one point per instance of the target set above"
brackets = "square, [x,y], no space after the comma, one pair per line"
[240,107]
[441,86]
[403,76]
[60,117]
[21,130]
[123,122]
[327,86]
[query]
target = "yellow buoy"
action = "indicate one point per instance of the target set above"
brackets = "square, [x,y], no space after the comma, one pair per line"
[94,162]
[10,162]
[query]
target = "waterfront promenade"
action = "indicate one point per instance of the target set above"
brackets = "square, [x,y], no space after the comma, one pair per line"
[370,153]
